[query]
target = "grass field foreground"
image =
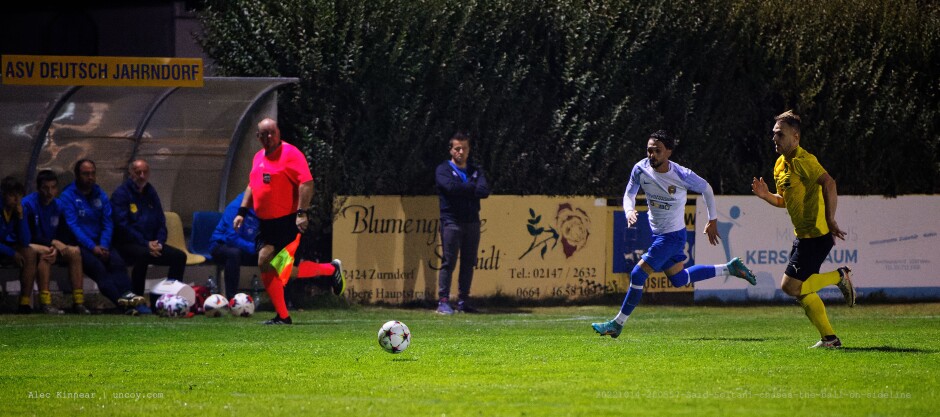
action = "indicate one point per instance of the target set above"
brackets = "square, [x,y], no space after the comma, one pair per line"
[542,361]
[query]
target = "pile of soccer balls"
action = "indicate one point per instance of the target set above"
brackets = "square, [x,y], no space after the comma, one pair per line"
[172,305]
[241,305]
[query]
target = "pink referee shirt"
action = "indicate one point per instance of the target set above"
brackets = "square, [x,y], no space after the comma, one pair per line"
[274,181]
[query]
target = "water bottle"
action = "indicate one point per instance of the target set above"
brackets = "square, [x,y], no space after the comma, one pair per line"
[213,289]
[255,287]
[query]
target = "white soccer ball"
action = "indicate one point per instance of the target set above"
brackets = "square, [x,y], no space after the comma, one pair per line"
[172,305]
[394,336]
[215,305]
[242,305]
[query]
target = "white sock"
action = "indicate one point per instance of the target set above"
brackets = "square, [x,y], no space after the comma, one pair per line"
[621,318]
[722,270]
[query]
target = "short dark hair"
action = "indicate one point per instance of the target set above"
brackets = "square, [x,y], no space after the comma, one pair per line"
[663,137]
[12,186]
[460,136]
[790,118]
[78,166]
[46,175]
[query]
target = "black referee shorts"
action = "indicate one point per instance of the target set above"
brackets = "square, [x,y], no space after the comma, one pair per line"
[277,232]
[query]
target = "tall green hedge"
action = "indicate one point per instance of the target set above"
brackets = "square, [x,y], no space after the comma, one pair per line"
[562,95]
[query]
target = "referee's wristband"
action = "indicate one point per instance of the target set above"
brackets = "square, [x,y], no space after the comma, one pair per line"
[243,211]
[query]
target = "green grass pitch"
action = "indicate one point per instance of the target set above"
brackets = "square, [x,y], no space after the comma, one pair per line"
[535,362]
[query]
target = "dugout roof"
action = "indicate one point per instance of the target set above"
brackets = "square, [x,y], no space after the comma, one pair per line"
[199,141]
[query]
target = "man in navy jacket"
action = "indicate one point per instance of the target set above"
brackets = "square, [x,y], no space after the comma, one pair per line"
[140,227]
[460,186]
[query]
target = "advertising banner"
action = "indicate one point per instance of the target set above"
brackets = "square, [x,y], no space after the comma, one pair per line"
[891,246]
[530,247]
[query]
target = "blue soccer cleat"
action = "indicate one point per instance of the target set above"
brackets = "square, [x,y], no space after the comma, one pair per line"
[608,328]
[737,268]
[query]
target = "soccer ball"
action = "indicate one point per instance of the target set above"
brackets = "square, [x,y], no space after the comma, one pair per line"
[215,305]
[242,305]
[172,305]
[394,337]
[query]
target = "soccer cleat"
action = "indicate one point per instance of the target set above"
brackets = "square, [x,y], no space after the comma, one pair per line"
[339,277]
[443,307]
[81,309]
[277,320]
[608,328]
[845,285]
[464,307]
[129,300]
[50,309]
[142,310]
[738,269]
[828,344]
[24,309]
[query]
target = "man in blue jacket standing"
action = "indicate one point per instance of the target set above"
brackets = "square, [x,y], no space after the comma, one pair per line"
[140,227]
[460,186]
[87,212]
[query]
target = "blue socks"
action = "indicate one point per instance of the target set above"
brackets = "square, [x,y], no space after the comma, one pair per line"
[634,294]
[692,274]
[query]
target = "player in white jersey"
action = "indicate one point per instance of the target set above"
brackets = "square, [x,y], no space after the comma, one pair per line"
[666,185]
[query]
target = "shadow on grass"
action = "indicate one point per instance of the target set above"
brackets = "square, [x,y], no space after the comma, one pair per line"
[405,360]
[733,339]
[891,349]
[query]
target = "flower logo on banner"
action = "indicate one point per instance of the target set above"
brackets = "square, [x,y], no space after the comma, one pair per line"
[574,225]
[572,228]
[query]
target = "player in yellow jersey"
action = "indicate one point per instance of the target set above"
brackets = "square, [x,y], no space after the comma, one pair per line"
[808,193]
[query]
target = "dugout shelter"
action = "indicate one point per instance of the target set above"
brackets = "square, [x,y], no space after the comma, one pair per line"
[199,141]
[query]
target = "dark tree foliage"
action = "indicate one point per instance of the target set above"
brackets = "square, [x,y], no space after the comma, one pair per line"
[561,95]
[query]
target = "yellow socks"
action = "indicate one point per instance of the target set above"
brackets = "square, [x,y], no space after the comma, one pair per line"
[45,298]
[78,296]
[25,300]
[817,282]
[816,311]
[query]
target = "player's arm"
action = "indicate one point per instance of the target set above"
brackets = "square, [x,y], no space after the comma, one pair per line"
[831,200]
[629,196]
[760,189]
[242,209]
[306,194]
[711,229]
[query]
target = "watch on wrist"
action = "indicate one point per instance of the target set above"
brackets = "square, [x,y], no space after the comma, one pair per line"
[302,212]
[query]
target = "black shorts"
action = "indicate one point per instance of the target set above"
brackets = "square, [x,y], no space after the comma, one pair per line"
[808,255]
[277,232]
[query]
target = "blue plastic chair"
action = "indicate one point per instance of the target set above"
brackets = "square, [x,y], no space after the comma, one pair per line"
[204,223]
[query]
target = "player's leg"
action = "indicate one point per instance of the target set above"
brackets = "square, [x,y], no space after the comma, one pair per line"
[272,284]
[450,249]
[43,273]
[174,258]
[71,256]
[696,273]
[139,258]
[230,257]
[334,270]
[27,278]
[117,271]
[275,235]
[841,277]
[469,247]
[663,249]
[806,257]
